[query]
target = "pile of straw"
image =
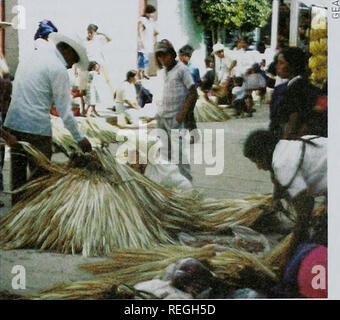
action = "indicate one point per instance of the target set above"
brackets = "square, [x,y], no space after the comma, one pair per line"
[97,205]
[207,111]
[93,210]
[96,130]
[135,266]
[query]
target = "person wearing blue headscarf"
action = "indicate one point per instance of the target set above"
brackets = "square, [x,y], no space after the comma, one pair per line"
[45,28]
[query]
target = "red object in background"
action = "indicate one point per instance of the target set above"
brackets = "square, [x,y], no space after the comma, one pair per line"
[322,102]
[54,112]
[76,112]
[76,93]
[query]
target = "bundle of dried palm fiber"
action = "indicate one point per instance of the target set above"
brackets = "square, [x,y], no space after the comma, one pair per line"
[220,215]
[278,256]
[229,264]
[135,266]
[95,205]
[97,130]
[128,267]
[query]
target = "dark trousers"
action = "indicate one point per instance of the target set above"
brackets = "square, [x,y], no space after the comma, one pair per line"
[189,120]
[2,163]
[21,159]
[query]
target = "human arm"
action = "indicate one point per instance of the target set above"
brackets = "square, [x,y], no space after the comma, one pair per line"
[11,140]
[60,85]
[107,38]
[189,103]
[290,130]
[140,29]
[232,65]
[132,104]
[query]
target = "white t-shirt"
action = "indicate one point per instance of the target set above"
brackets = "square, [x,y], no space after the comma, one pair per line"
[148,35]
[222,65]
[94,48]
[312,175]
[238,92]
[126,91]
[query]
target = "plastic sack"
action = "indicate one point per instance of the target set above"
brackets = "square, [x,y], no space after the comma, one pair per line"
[167,175]
[250,240]
[189,275]
[254,81]
[247,293]
[162,289]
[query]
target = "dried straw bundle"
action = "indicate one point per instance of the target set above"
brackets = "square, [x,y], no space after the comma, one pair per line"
[277,257]
[219,215]
[228,264]
[135,266]
[90,289]
[110,206]
[94,210]
[127,266]
[97,130]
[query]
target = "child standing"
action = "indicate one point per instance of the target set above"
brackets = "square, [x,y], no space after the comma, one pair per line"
[238,93]
[92,95]
[185,54]
[179,97]
[249,105]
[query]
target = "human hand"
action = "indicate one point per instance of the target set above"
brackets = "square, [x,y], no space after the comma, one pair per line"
[179,117]
[11,141]
[85,145]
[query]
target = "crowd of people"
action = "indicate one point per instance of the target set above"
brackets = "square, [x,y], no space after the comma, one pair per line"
[293,148]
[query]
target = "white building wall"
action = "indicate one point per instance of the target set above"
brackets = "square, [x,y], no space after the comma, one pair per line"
[176,23]
[114,17]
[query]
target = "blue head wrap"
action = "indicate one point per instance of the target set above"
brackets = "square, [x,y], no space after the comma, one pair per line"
[45,27]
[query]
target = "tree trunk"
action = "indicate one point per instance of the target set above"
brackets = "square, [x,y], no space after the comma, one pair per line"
[213,36]
[219,39]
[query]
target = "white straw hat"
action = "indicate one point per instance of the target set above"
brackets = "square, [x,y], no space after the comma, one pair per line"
[218,47]
[83,63]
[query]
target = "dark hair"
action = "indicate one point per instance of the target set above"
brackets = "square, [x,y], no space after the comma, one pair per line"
[130,74]
[248,96]
[261,47]
[187,50]
[7,75]
[92,27]
[208,60]
[62,46]
[296,59]
[164,47]
[91,65]
[260,145]
[238,80]
[150,9]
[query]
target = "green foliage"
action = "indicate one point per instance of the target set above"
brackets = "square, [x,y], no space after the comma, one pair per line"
[244,15]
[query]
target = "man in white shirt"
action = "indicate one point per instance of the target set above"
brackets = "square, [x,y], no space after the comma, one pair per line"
[40,81]
[299,172]
[224,66]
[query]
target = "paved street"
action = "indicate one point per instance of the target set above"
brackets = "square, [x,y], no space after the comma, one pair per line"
[239,178]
